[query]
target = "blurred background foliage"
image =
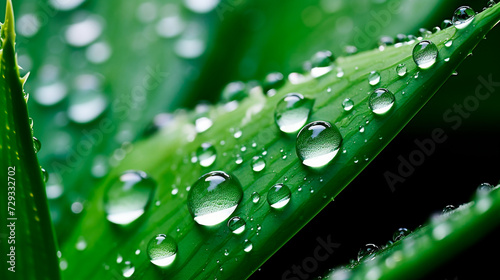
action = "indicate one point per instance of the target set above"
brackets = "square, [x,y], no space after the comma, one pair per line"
[104,74]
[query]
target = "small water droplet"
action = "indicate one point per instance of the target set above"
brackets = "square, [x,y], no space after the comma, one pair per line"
[322,59]
[162,250]
[239,160]
[400,233]
[448,43]
[278,196]
[45,175]
[463,16]
[214,197]
[347,104]
[425,54]
[81,244]
[247,246]
[381,101]
[318,143]
[272,81]
[127,269]
[237,134]
[37,145]
[258,163]
[128,196]
[206,154]
[226,252]
[401,69]
[234,91]
[446,23]
[374,78]
[447,59]
[449,208]
[292,112]
[255,197]
[236,225]
[484,189]
[368,251]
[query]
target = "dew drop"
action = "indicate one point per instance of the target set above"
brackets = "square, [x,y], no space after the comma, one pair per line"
[214,197]
[446,23]
[292,112]
[247,246]
[234,91]
[484,188]
[381,101]
[448,43]
[361,129]
[463,16]
[278,196]
[374,78]
[258,163]
[45,175]
[236,225]
[128,197]
[425,54]
[162,250]
[368,251]
[401,69]
[449,208]
[273,80]
[347,104]
[399,234]
[322,59]
[37,145]
[318,143]
[255,197]
[127,269]
[206,154]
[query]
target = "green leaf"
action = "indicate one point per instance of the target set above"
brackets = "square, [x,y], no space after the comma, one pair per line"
[166,157]
[27,241]
[431,245]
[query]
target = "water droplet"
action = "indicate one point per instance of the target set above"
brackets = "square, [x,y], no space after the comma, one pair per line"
[463,16]
[490,3]
[128,197]
[368,251]
[65,5]
[258,163]
[237,134]
[162,250]
[448,43]
[239,160]
[322,59]
[278,196]
[401,69]
[81,244]
[45,175]
[84,32]
[374,78]
[201,6]
[446,23]
[248,246]
[425,54]
[236,225]
[273,80]
[381,101]
[292,112]
[214,197]
[318,143]
[37,145]
[226,252]
[400,233]
[484,188]
[436,29]
[361,129]
[128,269]
[234,91]
[206,154]
[86,106]
[347,104]
[255,197]
[424,33]
[449,208]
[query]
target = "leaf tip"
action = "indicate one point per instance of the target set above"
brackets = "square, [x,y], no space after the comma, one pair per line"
[8,33]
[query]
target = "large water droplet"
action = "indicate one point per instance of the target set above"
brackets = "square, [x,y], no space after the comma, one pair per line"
[318,143]
[425,54]
[236,225]
[162,250]
[128,196]
[347,104]
[206,154]
[374,78]
[258,163]
[292,112]
[381,101]
[368,251]
[214,197]
[463,16]
[401,69]
[278,196]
